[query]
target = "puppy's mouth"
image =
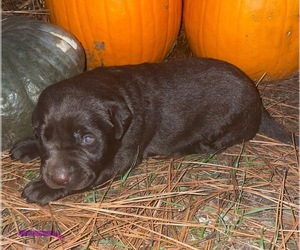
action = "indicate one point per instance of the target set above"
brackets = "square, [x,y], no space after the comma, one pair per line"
[57,178]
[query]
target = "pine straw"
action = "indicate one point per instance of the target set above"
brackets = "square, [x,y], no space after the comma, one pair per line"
[243,198]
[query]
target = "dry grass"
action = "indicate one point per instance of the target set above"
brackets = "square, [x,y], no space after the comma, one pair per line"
[246,197]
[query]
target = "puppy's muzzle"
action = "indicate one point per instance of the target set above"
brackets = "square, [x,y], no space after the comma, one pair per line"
[63,172]
[59,177]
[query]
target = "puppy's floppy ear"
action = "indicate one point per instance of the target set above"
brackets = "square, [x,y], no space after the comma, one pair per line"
[121,118]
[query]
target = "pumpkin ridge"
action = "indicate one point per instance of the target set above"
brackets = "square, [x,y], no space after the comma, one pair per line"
[142,37]
[110,45]
[155,38]
[218,24]
[238,31]
[130,27]
[283,28]
[202,27]
[166,45]
[203,30]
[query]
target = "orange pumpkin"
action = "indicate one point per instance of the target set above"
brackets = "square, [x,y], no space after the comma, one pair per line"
[118,32]
[256,35]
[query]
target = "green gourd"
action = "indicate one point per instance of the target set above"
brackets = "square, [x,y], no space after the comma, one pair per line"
[35,54]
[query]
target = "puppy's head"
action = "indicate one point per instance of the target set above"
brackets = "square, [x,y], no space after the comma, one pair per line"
[78,137]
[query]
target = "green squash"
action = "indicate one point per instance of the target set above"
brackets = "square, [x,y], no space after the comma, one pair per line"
[35,54]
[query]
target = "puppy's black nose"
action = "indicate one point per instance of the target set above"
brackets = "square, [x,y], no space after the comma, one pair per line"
[60,178]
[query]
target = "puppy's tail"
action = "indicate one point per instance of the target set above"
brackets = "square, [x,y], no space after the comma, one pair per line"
[272,129]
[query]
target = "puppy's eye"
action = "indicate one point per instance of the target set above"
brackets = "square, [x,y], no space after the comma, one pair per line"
[87,139]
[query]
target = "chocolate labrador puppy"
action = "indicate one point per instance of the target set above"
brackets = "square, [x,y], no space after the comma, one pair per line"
[96,125]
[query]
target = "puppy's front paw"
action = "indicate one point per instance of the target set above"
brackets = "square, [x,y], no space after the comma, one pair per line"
[25,151]
[37,191]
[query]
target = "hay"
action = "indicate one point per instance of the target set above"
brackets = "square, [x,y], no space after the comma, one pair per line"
[246,197]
